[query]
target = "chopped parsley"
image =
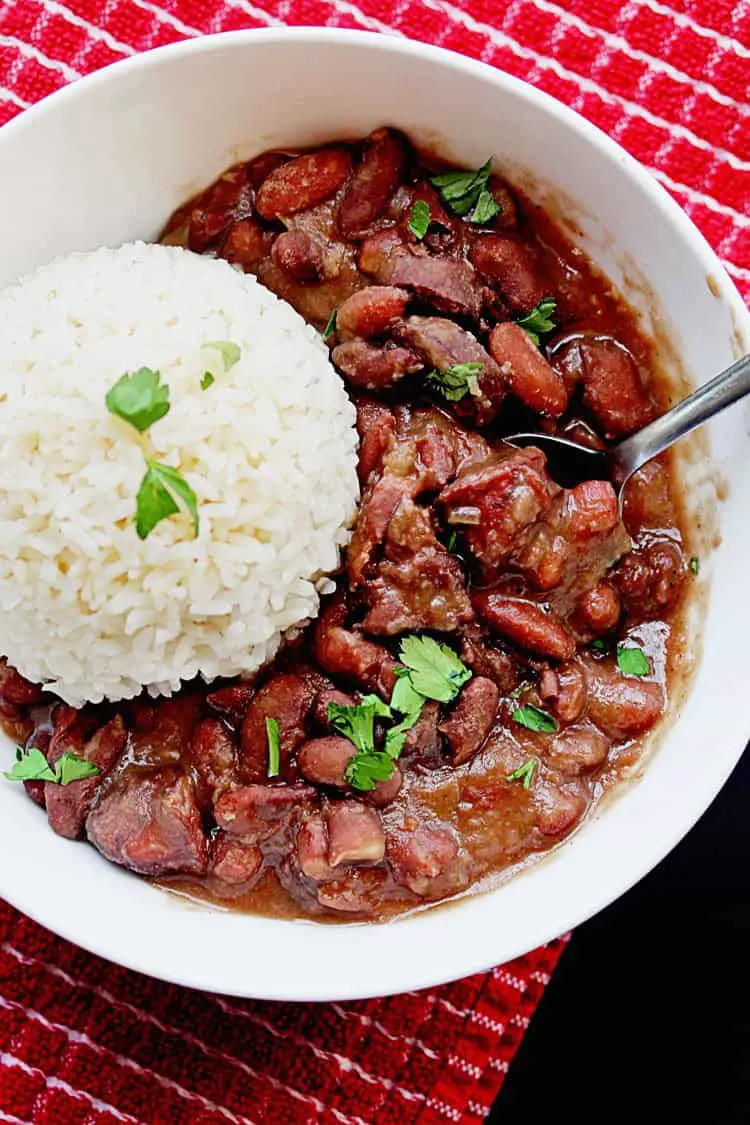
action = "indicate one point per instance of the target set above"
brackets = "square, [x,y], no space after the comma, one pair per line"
[357,723]
[695,565]
[419,220]
[155,500]
[598,645]
[409,703]
[229,351]
[330,327]
[434,670]
[367,768]
[632,661]
[274,747]
[533,718]
[524,773]
[539,321]
[139,398]
[452,543]
[467,193]
[455,382]
[31,765]
[207,380]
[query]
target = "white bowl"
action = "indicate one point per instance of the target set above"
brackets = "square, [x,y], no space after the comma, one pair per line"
[107,160]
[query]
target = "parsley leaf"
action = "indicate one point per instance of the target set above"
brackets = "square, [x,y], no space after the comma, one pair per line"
[695,564]
[486,208]
[330,328]
[454,383]
[155,501]
[274,756]
[140,399]
[539,320]
[357,722]
[467,191]
[632,661]
[207,380]
[533,718]
[367,768]
[229,351]
[434,669]
[452,545]
[409,703]
[598,645]
[420,219]
[31,765]
[524,773]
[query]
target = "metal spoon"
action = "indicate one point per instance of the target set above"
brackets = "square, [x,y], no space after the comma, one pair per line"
[570,463]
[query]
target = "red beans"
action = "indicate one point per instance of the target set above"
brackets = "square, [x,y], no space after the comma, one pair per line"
[303,182]
[509,264]
[470,722]
[370,312]
[526,625]
[299,255]
[528,374]
[373,183]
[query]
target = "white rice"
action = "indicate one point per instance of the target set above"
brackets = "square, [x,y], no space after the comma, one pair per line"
[88,608]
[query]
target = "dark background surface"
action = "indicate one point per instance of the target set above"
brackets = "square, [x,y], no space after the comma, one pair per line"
[647,1017]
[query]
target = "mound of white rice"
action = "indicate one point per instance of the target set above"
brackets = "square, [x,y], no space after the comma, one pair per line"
[269,449]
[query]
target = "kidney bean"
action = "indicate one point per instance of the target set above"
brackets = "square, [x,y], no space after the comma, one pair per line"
[622,706]
[528,374]
[612,387]
[384,792]
[578,748]
[598,609]
[324,698]
[556,809]
[526,624]
[370,312]
[299,255]
[232,701]
[234,862]
[303,182]
[419,858]
[373,368]
[564,690]
[471,719]
[510,265]
[373,183]
[15,689]
[323,761]
[312,849]
[68,805]
[590,509]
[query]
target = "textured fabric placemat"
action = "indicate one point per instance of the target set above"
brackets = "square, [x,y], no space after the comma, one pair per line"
[83,1042]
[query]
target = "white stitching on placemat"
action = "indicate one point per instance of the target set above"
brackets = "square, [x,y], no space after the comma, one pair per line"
[12,1120]
[699,197]
[368,1021]
[9,96]
[74,1036]
[682,19]
[53,1083]
[91,29]
[29,51]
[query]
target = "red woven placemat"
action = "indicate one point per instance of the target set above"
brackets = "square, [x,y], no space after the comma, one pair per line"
[83,1042]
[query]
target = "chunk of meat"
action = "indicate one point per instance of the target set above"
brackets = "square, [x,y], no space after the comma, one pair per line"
[419,585]
[299,255]
[598,609]
[612,386]
[443,344]
[430,450]
[497,503]
[232,701]
[372,367]
[255,812]
[527,373]
[376,425]
[590,509]
[15,689]
[525,624]
[245,245]
[370,312]
[373,183]
[312,849]
[148,821]
[447,284]
[383,792]
[214,760]
[303,182]
[343,652]
[379,252]
[376,509]
[564,691]
[287,699]
[440,220]
[425,860]
[209,216]
[510,265]
[67,805]
[423,744]
[471,719]
[650,579]
[578,748]
[233,862]
[323,761]
[487,660]
[622,706]
[355,834]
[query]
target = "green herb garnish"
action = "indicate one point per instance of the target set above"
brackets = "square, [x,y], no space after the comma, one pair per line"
[155,501]
[524,773]
[330,327]
[695,564]
[367,768]
[207,380]
[452,543]
[409,703]
[274,747]
[139,399]
[598,645]
[31,765]
[229,351]
[454,383]
[419,220]
[539,320]
[518,691]
[466,192]
[632,661]
[533,718]
[357,723]
[435,671]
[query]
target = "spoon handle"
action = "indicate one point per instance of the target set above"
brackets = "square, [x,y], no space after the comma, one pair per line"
[726,388]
